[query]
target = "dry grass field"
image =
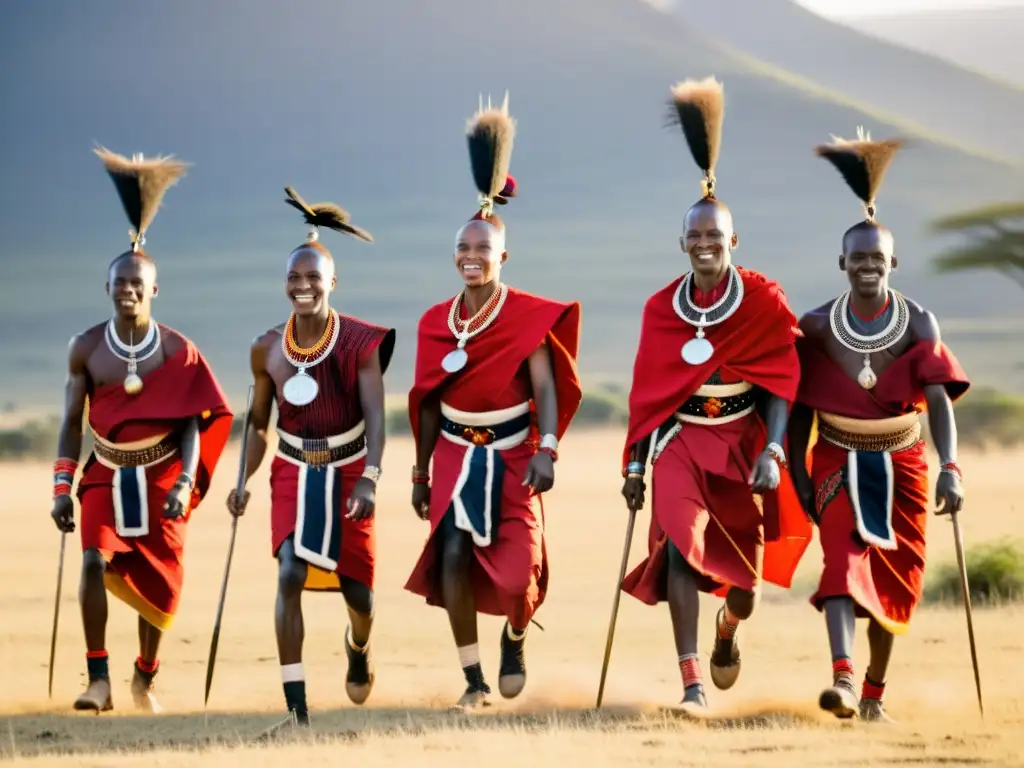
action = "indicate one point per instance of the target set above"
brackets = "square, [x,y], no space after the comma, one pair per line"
[769,718]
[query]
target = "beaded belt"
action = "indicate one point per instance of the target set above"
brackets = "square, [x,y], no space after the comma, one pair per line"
[703,410]
[317,452]
[142,457]
[486,435]
[887,443]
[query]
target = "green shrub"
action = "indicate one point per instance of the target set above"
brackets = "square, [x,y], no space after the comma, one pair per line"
[995,574]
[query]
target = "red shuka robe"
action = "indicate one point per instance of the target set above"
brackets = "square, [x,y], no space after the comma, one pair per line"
[146,572]
[510,575]
[700,498]
[336,409]
[886,585]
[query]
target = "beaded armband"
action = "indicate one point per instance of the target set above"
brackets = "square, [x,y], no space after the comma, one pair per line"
[63,476]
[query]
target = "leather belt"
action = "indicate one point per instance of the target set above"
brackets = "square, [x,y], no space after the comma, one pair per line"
[317,453]
[717,407]
[887,443]
[490,434]
[138,458]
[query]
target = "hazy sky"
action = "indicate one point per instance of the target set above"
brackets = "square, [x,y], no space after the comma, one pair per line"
[880,7]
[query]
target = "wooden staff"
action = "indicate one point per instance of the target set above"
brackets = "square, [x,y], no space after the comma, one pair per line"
[239,491]
[615,605]
[958,539]
[56,609]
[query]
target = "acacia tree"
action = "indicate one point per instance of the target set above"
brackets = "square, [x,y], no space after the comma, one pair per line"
[993,239]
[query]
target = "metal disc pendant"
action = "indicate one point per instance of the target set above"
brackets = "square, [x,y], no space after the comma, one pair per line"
[132,384]
[866,378]
[697,351]
[455,360]
[300,389]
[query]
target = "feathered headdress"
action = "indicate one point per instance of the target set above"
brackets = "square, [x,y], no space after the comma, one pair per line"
[325,215]
[141,185]
[862,163]
[490,134]
[698,106]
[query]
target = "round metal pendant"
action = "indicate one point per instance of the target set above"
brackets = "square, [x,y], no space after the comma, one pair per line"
[697,351]
[300,389]
[455,360]
[866,378]
[132,384]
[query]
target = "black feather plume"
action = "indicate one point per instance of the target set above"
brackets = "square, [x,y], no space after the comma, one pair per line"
[862,164]
[698,106]
[141,185]
[490,134]
[325,215]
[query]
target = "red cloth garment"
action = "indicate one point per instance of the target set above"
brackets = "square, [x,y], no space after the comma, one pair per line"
[336,410]
[146,572]
[824,386]
[700,480]
[510,575]
[886,585]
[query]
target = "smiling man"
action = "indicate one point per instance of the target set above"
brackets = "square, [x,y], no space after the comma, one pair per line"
[714,376]
[871,361]
[159,422]
[496,388]
[325,371]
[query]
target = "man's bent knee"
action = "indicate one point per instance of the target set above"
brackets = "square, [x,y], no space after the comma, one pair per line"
[742,602]
[291,577]
[458,547]
[93,564]
[358,596]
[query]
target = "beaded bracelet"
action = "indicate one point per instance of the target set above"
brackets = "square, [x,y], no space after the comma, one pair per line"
[549,451]
[420,477]
[634,469]
[63,476]
[952,468]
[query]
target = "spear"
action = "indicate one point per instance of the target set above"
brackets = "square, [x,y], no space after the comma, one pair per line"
[239,491]
[56,609]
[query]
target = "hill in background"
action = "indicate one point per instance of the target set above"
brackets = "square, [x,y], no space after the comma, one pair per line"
[925,86]
[986,40]
[365,104]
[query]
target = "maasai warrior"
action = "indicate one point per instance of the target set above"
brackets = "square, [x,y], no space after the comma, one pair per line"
[325,372]
[871,360]
[159,423]
[714,376]
[496,388]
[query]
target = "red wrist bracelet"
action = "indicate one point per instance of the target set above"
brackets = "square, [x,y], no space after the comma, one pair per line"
[550,452]
[953,468]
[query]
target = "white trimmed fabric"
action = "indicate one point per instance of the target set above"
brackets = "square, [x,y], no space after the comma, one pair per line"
[317,516]
[131,502]
[476,497]
[869,483]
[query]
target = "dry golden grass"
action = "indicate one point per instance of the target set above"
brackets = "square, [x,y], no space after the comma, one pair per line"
[769,718]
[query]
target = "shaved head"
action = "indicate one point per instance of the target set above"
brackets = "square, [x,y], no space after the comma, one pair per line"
[312,256]
[496,234]
[141,258]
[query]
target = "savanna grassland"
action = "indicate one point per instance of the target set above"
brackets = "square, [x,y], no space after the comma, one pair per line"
[768,718]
